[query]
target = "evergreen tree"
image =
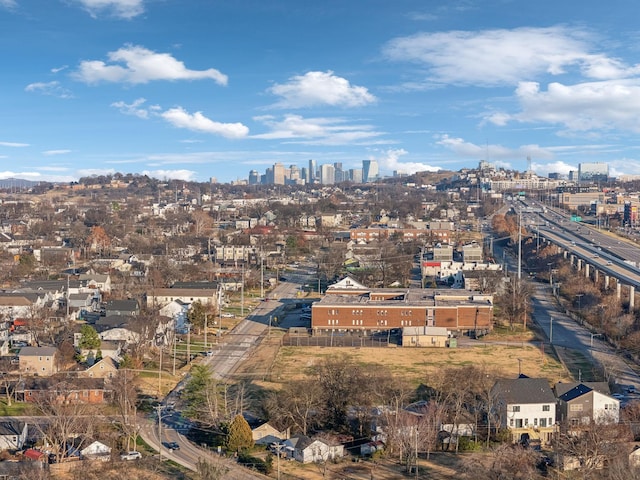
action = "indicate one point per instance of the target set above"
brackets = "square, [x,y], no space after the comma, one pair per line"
[89,338]
[239,436]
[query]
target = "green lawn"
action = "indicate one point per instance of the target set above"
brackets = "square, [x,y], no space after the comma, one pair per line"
[16,408]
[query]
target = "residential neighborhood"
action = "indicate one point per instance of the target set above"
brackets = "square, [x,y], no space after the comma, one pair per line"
[386,336]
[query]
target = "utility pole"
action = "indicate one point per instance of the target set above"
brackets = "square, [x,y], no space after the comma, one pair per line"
[174,350]
[519,245]
[159,410]
[261,276]
[242,293]
[551,330]
[160,373]
[205,330]
[189,343]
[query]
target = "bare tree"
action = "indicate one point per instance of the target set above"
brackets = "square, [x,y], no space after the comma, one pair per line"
[65,416]
[125,395]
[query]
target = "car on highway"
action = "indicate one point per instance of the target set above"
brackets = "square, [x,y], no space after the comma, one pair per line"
[131,456]
[171,446]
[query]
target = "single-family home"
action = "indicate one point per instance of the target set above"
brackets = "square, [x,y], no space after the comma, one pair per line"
[307,450]
[63,390]
[13,434]
[104,368]
[40,361]
[265,434]
[94,450]
[584,403]
[527,407]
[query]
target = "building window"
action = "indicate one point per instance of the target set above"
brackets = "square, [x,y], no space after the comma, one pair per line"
[546,408]
[575,407]
[518,423]
[516,408]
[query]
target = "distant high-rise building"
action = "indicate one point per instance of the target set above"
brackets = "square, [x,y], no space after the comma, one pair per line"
[338,172]
[369,171]
[278,174]
[268,176]
[355,175]
[327,174]
[312,171]
[304,174]
[254,177]
[294,173]
[593,172]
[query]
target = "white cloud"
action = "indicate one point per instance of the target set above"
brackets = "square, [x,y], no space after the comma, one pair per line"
[53,89]
[504,57]
[55,152]
[119,8]
[14,144]
[390,161]
[59,69]
[584,107]
[135,64]
[197,122]
[9,4]
[552,167]
[318,131]
[492,153]
[186,175]
[320,88]
[132,108]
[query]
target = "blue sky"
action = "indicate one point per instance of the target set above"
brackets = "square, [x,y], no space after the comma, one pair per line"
[193,89]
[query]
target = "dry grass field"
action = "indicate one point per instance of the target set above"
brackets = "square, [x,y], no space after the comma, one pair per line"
[272,364]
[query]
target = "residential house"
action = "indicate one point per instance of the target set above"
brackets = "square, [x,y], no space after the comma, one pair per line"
[634,457]
[128,307]
[163,296]
[582,404]
[527,407]
[13,434]
[265,434]
[90,450]
[104,368]
[307,450]
[64,390]
[40,361]
[101,283]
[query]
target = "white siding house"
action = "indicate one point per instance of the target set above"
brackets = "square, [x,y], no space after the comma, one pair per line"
[527,407]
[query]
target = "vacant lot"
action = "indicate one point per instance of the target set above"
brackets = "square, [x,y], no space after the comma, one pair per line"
[274,364]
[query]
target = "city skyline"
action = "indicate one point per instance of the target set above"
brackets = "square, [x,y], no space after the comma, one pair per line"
[197,90]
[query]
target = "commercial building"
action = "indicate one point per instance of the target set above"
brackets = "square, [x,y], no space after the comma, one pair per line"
[349,306]
[593,172]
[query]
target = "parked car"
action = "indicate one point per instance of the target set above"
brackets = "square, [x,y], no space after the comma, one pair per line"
[131,456]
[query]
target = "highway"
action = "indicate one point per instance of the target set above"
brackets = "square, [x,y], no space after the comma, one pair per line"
[609,254]
[562,331]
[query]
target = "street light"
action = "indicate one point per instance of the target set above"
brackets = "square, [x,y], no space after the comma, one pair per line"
[579,296]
